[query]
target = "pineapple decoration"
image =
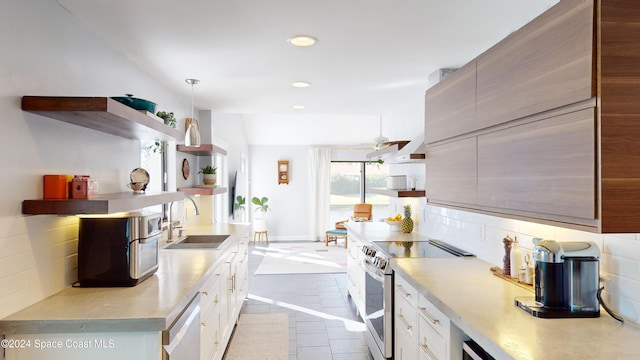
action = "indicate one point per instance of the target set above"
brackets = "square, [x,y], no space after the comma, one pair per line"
[407,223]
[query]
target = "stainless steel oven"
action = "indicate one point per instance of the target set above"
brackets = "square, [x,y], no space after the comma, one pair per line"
[378,310]
[378,296]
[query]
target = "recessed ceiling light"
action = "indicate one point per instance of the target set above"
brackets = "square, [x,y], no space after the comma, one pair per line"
[300,84]
[302,40]
[298,107]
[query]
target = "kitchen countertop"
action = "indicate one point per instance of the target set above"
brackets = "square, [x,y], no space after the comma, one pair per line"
[482,306]
[152,305]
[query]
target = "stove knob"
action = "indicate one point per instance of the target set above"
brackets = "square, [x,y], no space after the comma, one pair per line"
[382,264]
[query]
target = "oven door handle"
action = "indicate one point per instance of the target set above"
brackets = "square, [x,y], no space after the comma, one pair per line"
[373,270]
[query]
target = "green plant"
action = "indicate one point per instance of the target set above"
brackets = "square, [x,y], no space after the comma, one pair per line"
[378,162]
[261,203]
[208,170]
[168,118]
[240,202]
[158,146]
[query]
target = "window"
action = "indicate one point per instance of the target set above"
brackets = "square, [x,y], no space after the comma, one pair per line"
[348,188]
[152,159]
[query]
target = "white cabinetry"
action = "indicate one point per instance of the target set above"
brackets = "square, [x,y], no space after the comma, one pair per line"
[222,296]
[355,272]
[422,331]
[210,317]
[235,271]
[433,331]
[406,320]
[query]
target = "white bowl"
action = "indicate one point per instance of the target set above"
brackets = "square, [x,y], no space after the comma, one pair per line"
[394,225]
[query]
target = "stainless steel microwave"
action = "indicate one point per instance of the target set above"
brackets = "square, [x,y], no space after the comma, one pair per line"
[118,250]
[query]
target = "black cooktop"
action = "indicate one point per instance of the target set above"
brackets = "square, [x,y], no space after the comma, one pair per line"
[418,249]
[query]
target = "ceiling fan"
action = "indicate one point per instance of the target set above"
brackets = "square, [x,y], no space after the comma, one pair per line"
[380,140]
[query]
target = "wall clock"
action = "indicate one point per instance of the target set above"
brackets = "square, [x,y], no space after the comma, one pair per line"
[283,172]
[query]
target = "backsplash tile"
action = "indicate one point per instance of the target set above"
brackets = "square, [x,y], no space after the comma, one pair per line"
[482,235]
[33,260]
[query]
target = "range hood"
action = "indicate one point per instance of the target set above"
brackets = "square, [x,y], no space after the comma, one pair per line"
[400,152]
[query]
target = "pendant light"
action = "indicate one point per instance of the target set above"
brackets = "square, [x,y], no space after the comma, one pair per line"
[380,140]
[192,136]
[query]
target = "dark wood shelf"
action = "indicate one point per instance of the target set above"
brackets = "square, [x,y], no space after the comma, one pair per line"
[100,204]
[102,114]
[202,150]
[398,193]
[203,190]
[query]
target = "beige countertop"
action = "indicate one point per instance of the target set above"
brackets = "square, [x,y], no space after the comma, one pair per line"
[151,305]
[482,306]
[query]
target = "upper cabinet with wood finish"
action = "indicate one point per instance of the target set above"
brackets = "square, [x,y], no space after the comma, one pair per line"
[555,132]
[545,65]
[450,106]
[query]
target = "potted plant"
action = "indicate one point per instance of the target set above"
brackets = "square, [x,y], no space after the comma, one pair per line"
[240,202]
[158,146]
[208,175]
[261,203]
[168,118]
[260,224]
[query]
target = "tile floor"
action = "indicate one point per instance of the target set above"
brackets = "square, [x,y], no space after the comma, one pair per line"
[323,324]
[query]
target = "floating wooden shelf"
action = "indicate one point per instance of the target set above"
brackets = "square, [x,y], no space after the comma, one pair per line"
[387,150]
[202,150]
[100,204]
[398,193]
[102,114]
[203,190]
[391,154]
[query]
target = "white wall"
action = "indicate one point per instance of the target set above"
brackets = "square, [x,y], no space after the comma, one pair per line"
[45,51]
[288,218]
[483,234]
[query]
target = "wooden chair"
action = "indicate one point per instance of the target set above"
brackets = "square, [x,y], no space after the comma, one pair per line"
[360,212]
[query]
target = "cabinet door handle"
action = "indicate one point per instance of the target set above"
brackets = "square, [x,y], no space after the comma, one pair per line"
[428,352]
[205,293]
[404,292]
[405,323]
[430,317]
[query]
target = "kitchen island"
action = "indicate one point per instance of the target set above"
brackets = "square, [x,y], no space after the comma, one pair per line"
[122,319]
[481,306]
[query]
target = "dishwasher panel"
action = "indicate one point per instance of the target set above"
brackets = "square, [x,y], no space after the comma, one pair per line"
[182,340]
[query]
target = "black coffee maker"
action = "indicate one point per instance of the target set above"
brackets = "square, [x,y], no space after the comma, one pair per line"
[567,279]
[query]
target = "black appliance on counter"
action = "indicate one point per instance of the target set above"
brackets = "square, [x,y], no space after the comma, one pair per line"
[118,250]
[379,285]
[567,279]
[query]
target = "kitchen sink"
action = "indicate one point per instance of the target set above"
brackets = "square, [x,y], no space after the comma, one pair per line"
[200,242]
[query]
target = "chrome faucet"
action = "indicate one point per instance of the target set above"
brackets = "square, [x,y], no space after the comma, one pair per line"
[171,224]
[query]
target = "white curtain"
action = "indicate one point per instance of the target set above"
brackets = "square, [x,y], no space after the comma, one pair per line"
[319,191]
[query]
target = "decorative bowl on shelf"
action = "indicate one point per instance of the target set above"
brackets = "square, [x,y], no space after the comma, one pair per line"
[394,225]
[136,103]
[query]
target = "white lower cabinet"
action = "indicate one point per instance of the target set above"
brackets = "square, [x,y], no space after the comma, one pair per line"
[405,315]
[421,330]
[234,289]
[433,330]
[210,318]
[355,273]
